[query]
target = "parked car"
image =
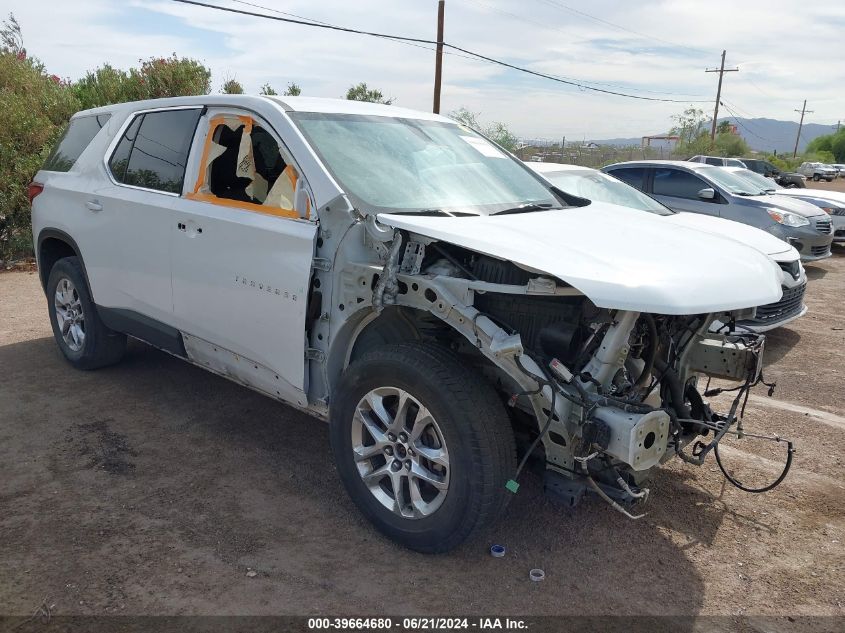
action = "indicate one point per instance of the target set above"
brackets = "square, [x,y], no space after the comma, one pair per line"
[403,277]
[831,202]
[767,169]
[686,186]
[840,169]
[719,161]
[595,185]
[817,171]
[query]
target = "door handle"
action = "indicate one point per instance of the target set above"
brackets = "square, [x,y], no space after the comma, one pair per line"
[181,226]
[93,205]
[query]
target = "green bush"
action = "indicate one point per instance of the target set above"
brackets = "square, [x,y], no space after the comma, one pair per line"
[34,108]
[156,77]
[831,146]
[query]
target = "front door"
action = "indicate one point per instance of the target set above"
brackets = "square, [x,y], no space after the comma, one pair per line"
[242,249]
[678,190]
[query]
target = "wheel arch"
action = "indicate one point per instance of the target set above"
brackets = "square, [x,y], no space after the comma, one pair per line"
[366,330]
[53,245]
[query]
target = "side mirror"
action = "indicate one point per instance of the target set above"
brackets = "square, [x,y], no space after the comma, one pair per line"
[708,193]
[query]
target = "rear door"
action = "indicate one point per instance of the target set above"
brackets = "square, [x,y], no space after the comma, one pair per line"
[127,242]
[242,248]
[678,190]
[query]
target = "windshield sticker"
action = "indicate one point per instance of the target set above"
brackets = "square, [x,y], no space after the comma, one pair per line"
[483,147]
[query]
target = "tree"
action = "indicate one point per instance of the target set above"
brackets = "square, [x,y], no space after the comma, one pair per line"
[104,86]
[34,108]
[293,90]
[496,131]
[155,78]
[267,90]
[688,125]
[833,144]
[724,127]
[361,92]
[466,117]
[11,39]
[232,86]
[730,144]
[171,76]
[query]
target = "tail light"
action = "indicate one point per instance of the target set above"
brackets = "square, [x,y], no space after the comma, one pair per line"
[33,189]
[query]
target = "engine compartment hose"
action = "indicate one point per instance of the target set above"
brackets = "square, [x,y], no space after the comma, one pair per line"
[789,451]
[652,352]
[675,390]
[601,493]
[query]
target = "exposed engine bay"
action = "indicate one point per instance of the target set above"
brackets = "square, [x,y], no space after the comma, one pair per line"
[605,395]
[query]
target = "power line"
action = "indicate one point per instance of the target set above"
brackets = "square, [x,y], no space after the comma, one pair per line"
[559,30]
[315,21]
[742,125]
[564,7]
[418,40]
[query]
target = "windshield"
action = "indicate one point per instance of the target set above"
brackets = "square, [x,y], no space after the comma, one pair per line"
[734,162]
[410,165]
[595,185]
[766,184]
[731,182]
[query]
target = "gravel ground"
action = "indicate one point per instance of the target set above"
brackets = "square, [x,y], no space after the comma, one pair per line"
[153,487]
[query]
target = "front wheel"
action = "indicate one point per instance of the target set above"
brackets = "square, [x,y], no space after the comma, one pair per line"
[816,177]
[423,445]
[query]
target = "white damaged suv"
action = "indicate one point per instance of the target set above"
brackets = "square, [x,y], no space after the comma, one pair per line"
[401,276]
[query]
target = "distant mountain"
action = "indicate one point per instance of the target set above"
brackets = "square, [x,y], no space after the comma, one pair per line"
[761,134]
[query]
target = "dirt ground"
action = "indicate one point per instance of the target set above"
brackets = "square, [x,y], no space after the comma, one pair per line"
[837,184]
[153,487]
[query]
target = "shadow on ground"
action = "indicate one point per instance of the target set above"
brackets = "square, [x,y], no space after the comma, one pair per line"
[155,487]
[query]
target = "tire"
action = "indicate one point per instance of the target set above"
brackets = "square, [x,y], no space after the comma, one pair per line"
[816,177]
[85,342]
[470,426]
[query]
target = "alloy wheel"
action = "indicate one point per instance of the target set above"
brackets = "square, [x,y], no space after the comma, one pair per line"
[69,314]
[400,452]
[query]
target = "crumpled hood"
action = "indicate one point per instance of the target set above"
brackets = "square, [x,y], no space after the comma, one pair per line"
[787,203]
[756,238]
[618,258]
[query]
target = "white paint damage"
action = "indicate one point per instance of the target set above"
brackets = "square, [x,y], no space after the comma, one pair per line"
[616,258]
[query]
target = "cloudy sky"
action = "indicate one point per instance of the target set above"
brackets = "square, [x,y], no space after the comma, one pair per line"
[653,48]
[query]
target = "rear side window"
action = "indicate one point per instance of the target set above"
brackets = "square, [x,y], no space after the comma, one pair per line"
[677,183]
[633,176]
[153,151]
[714,161]
[78,135]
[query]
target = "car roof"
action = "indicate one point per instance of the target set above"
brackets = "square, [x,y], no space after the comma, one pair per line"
[661,163]
[288,104]
[544,168]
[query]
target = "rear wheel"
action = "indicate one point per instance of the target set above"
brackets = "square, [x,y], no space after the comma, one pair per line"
[423,445]
[816,177]
[82,337]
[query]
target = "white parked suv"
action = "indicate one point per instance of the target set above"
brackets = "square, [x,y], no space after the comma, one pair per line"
[403,277]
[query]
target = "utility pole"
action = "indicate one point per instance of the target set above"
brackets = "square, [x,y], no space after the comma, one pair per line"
[721,70]
[438,64]
[803,111]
